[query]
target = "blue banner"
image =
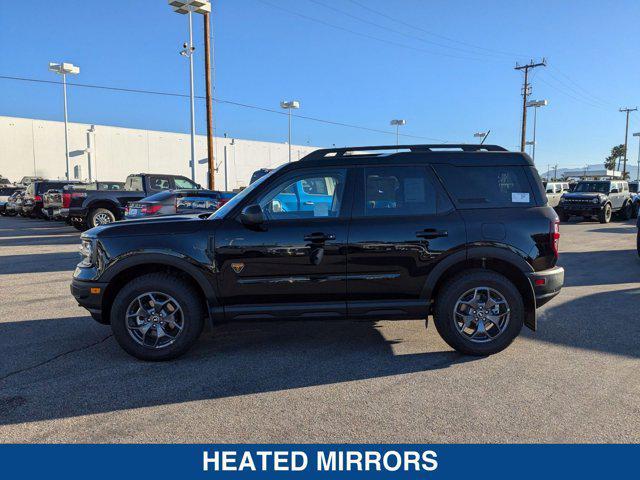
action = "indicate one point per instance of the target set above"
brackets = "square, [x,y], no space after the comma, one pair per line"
[178,462]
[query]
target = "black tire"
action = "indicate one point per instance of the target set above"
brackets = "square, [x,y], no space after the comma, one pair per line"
[564,217]
[186,296]
[634,210]
[97,215]
[454,289]
[627,211]
[605,214]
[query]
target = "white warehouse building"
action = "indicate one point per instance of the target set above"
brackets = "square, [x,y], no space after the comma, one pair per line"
[31,147]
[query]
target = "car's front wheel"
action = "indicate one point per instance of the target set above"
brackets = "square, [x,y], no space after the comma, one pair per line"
[605,214]
[157,317]
[479,312]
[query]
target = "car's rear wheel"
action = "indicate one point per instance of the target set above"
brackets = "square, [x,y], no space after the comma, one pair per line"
[479,312]
[626,211]
[605,214]
[157,317]
[101,216]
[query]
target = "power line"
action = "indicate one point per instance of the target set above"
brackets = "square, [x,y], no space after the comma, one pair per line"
[218,100]
[415,27]
[364,35]
[404,34]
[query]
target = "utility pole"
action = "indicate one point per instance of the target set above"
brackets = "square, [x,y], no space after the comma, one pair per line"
[526,91]
[555,172]
[626,136]
[209,102]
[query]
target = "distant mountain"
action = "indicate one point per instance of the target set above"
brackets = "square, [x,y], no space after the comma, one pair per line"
[552,172]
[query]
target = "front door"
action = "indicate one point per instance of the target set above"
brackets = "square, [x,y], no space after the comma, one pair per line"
[294,266]
[402,223]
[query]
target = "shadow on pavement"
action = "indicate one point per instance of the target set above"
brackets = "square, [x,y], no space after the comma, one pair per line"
[237,359]
[605,267]
[38,262]
[625,230]
[606,322]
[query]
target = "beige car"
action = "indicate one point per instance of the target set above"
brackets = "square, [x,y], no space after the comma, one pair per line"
[554,191]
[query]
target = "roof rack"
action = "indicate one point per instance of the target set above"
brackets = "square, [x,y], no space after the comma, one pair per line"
[344,151]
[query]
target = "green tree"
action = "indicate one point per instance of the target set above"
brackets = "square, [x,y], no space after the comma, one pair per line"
[611,161]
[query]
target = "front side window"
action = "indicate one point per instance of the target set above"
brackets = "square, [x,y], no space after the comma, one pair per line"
[305,195]
[399,191]
[134,184]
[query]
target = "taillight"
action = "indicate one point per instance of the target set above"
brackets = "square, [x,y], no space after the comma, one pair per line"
[66,200]
[150,209]
[37,198]
[555,237]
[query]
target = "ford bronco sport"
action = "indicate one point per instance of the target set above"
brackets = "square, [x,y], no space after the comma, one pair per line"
[461,233]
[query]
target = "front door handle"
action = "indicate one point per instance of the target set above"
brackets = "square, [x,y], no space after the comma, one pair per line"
[319,237]
[432,233]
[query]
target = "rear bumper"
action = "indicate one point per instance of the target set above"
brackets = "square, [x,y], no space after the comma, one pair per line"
[89,295]
[546,284]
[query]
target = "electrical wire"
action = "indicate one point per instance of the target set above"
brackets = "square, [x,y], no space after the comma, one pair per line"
[218,100]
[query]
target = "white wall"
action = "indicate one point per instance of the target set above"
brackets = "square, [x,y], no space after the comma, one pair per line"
[36,147]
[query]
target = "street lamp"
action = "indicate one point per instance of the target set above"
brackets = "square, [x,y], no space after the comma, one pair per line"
[188,7]
[637,134]
[398,123]
[290,105]
[64,69]
[536,104]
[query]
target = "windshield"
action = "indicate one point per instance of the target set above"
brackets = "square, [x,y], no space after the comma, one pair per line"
[593,187]
[227,207]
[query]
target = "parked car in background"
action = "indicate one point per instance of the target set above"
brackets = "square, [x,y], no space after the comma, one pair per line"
[6,191]
[57,201]
[554,191]
[33,196]
[90,208]
[172,202]
[4,182]
[597,198]
[13,206]
[26,181]
[460,232]
[259,174]
[635,197]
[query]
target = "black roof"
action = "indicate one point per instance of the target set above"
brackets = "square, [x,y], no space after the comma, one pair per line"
[454,154]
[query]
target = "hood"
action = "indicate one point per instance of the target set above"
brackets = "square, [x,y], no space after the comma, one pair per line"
[582,195]
[158,225]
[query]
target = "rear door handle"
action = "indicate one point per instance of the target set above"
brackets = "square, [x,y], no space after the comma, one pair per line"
[319,237]
[432,233]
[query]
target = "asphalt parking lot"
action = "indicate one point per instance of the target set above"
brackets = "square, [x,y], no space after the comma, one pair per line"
[64,379]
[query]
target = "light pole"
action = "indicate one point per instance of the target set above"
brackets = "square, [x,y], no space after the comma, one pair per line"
[482,135]
[637,134]
[535,104]
[64,69]
[188,7]
[290,105]
[398,123]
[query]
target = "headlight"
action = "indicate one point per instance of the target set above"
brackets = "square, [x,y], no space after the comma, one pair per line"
[596,200]
[86,252]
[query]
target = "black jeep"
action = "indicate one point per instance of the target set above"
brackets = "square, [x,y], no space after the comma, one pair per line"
[462,233]
[597,198]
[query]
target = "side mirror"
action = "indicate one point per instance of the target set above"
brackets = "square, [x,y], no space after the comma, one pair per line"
[614,190]
[252,216]
[199,186]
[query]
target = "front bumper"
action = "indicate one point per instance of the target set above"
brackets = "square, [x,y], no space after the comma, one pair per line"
[89,295]
[546,284]
[580,208]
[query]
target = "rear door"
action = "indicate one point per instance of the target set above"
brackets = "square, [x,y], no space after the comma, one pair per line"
[402,225]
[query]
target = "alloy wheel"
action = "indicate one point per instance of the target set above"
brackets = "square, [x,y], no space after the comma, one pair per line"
[481,314]
[154,320]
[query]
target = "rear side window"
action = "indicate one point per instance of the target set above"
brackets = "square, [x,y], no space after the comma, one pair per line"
[134,184]
[399,191]
[487,187]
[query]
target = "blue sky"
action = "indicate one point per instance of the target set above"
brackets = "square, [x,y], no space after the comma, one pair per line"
[446,66]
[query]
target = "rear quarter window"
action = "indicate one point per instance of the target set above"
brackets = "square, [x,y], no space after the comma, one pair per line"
[487,186]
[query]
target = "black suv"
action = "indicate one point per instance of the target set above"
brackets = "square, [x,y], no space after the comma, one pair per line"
[597,198]
[462,233]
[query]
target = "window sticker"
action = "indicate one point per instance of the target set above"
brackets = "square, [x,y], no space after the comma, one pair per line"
[519,197]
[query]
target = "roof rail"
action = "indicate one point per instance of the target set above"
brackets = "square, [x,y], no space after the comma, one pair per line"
[344,151]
